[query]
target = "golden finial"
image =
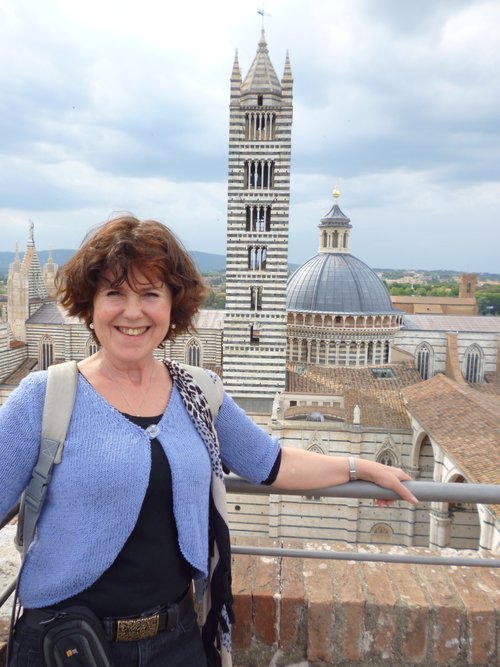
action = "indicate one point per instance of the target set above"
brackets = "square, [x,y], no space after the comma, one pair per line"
[336,192]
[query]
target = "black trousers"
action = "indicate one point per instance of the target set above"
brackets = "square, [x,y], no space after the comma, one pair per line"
[179,647]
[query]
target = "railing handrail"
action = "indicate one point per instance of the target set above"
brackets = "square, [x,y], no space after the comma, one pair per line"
[366,556]
[488,494]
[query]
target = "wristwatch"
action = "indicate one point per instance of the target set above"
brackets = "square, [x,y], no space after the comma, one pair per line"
[353,475]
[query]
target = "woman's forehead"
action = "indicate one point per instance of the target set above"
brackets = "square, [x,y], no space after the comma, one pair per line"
[135,277]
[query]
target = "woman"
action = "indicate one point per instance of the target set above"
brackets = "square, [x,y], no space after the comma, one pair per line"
[133,510]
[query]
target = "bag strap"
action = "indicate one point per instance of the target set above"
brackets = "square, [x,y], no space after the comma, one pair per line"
[57,410]
[214,391]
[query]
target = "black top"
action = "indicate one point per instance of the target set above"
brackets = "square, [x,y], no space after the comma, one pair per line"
[149,571]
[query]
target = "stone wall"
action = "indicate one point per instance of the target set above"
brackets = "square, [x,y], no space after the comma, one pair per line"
[299,612]
[315,613]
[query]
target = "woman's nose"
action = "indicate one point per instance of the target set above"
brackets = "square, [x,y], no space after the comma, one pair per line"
[133,307]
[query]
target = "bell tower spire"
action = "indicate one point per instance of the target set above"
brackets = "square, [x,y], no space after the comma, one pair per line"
[257,232]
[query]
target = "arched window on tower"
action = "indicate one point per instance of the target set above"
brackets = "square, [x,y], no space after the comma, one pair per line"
[424,359]
[260,125]
[472,364]
[258,218]
[335,239]
[45,353]
[193,352]
[255,298]
[257,258]
[259,174]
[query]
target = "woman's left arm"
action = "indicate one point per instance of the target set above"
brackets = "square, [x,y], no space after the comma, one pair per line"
[301,469]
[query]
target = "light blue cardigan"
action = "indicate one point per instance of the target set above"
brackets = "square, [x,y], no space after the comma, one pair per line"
[96,493]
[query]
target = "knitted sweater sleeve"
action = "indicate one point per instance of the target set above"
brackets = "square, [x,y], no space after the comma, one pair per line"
[245,448]
[20,427]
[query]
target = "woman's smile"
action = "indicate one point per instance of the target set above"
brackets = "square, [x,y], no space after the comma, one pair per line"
[131,319]
[128,331]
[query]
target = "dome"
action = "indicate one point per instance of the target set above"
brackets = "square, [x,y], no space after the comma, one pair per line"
[337,283]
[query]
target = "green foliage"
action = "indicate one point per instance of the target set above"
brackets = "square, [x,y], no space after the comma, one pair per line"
[215,300]
[442,289]
[488,299]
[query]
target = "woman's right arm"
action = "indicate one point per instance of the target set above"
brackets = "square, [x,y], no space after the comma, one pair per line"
[20,428]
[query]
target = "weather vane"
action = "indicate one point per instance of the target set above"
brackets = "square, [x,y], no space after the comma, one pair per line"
[263,13]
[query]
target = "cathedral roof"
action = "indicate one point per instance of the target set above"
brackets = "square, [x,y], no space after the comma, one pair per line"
[470,323]
[261,77]
[463,422]
[51,313]
[380,400]
[337,283]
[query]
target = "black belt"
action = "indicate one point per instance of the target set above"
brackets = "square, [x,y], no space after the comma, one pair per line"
[124,629]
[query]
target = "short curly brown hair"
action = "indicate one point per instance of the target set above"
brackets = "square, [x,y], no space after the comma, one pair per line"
[120,245]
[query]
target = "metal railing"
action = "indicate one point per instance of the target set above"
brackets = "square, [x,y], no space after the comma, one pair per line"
[487,494]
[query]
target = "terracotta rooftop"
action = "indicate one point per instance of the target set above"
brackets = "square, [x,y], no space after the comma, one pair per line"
[463,421]
[380,400]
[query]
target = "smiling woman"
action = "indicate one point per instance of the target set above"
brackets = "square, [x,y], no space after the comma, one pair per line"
[135,509]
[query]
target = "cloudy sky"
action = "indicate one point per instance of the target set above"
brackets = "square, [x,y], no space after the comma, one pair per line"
[112,105]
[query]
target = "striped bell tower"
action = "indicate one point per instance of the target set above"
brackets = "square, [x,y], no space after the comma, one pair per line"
[255,327]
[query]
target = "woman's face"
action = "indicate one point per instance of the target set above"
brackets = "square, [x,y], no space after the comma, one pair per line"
[131,320]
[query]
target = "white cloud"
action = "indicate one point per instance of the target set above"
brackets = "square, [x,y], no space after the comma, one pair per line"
[111,105]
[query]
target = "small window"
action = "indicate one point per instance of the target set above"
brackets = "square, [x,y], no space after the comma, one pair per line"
[473,364]
[381,533]
[387,457]
[193,353]
[254,335]
[260,100]
[256,298]
[383,373]
[93,349]
[424,358]
[45,353]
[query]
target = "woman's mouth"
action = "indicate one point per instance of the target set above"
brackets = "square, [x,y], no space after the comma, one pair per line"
[129,331]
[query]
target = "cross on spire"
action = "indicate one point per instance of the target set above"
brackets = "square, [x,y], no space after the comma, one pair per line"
[263,14]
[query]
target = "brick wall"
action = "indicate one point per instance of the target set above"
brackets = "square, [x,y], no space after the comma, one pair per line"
[294,612]
[317,613]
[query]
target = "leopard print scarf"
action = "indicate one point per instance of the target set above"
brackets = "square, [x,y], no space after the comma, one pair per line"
[217,596]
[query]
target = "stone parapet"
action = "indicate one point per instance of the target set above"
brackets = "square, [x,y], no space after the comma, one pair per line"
[308,612]
[316,613]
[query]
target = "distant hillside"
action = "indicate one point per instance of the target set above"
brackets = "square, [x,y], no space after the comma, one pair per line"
[205,261]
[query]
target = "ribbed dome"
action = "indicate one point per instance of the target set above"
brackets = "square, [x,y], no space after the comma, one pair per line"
[337,283]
